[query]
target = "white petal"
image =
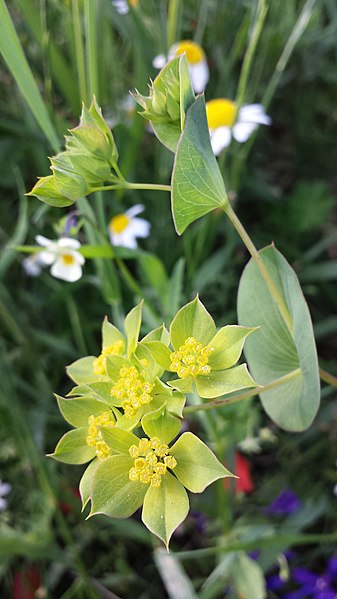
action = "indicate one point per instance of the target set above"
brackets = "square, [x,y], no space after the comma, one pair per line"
[47,257]
[121,6]
[140,227]
[126,240]
[68,242]
[220,139]
[199,75]
[159,61]
[134,210]
[242,131]
[70,273]
[3,504]
[44,241]
[253,113]
[32,267]
[5,488]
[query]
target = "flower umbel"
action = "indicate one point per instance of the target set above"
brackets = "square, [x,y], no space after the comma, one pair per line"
[191,359]
[132,389]
[94,438]
[99,365]
[151,461]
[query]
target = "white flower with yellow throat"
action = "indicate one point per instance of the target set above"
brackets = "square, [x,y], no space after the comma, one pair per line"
[196,59]
[225,122]
[63,256]
[124,228]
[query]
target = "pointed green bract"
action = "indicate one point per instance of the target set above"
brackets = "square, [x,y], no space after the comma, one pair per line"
[197,184]
[82,371]
[118,440]
[45,190]
[159,352]
[222,382]
[192,320]
[162,424]
[273,351]
[132,327]
[85,482]
[227,346]
[77,410]
[197,467]
[165,507]
[72,448]
[112,492]
[110,334]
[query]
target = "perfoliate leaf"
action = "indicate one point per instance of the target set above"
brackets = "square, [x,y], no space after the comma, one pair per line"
[227,344]
[85,482]
[159,352]
[165,507]
[192,320]
[197,184]
[45,190]
[72,448]
[221,382]
[273,351]
[119,440]
[197,467]
[72,185]
[112,492]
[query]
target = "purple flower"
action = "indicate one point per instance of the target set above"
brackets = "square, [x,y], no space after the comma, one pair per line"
[310,584]
[287,502]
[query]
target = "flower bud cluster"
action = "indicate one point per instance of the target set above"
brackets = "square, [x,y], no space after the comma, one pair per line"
[132,389]
[162,105]
[191,359]
[99,365]
[94,438]
[152,459]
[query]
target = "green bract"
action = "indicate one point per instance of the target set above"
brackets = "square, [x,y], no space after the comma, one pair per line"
[85,164]
[170,96]
[150,473]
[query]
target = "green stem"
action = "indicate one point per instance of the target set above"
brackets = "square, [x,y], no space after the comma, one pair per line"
[172,21]
[128,185]
[219,403]
[79,50]
[328,378]
[90,11]
[277,297]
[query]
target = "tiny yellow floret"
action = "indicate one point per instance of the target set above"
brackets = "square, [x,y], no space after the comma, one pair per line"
[94,438]
[152,458]
[191,359]
[132,389]
[116,349]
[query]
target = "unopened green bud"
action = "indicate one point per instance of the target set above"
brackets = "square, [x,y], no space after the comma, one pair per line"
[45,190]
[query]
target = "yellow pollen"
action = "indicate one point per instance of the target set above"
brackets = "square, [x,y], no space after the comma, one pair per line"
[67,259]
[119,223]
[191,359]
[152,458]
[220,113]
[94,438]
[132,390]
[99,365]
[194,52]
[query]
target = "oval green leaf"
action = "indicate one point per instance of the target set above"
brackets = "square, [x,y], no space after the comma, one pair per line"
[272,351]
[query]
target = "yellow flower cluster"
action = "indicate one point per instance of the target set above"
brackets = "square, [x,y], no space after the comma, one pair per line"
[191,359]
[151,461]
[132,389]
[116,349]
[94,438]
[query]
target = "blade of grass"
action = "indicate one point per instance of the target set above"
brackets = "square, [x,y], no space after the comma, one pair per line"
[90,13]
[13,55]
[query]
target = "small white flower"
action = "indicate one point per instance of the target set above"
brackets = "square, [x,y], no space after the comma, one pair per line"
[123,6]
[62,255]
[5,488]
[32,265]
[196,59]
[225,122]
[125,228]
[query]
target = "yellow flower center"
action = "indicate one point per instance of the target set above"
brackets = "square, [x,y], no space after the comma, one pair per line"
[94,438]
[133,390]
[152,458]
[119,223]
[133,3]
[194,52]
[67,259]
[220,113]
[99,365]
[191,359]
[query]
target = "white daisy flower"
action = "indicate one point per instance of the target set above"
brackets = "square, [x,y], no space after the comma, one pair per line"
[62,255]
[225,122]
[5,488]
[125,228]
[196,59]
[123,6]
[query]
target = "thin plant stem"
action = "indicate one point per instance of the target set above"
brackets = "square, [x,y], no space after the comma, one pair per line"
[277,297]
[219,403]
[90,12]
[127,185]
[172,21]
[79,49]
[328,378]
